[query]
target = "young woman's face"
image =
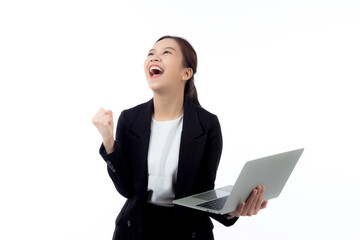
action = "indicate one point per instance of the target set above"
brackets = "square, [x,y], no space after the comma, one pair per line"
[163,67]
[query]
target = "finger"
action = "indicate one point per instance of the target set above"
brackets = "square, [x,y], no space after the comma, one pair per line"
[97,114]
[264,204]
[238,210]
[108,112]
[259,200]
[242,209]
[100,111]
[104,119]
[249,203]
[252,208]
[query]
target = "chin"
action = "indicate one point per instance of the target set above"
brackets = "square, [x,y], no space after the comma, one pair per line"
[156,87]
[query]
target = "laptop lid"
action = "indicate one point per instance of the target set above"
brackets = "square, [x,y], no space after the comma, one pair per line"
[272,172]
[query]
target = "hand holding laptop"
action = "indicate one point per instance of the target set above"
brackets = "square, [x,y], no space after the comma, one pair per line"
[245,198]
[252,205]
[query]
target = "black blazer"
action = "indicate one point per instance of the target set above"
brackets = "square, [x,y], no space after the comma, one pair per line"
[199,156]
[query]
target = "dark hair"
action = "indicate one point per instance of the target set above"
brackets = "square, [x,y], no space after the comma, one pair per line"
[189,61]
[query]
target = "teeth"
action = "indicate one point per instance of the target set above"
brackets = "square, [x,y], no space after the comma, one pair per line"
[154,69]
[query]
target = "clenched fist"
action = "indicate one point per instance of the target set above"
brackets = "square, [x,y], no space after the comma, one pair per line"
[103,121]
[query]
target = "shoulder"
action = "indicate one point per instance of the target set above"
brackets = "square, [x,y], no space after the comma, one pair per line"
[131,113]
[206,118]
[205,114]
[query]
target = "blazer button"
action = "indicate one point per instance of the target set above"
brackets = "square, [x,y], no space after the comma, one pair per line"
[193,235]
[129,223]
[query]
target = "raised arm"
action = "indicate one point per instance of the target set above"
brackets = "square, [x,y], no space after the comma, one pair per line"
[112,151]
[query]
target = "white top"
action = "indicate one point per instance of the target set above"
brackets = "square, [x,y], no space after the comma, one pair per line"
[163,157]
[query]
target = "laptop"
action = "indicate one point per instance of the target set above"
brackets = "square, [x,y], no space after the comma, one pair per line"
[272,172]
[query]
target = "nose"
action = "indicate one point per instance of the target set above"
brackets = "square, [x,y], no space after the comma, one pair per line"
[155,58]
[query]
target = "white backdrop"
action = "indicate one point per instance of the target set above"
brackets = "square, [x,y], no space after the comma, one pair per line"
[279,75]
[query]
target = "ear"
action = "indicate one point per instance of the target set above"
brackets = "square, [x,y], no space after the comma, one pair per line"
[188,73]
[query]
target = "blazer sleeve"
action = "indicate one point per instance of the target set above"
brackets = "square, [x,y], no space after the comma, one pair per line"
[210,163]
[118,165]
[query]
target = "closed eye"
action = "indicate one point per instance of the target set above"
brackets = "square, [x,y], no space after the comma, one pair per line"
[164,53]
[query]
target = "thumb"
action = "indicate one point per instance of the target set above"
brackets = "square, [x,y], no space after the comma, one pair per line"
[264,204]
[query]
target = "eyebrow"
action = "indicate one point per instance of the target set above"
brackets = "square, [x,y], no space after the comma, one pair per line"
[164,49]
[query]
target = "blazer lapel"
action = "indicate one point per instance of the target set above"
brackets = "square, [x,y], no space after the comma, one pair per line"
[143,121]
[140,138]
[191,150]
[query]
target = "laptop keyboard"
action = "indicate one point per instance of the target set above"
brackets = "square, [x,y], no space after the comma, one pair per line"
[216,204]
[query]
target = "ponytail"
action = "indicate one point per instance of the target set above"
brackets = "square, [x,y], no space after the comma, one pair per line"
[190,91]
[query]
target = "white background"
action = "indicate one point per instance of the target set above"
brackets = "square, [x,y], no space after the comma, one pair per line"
[280,75]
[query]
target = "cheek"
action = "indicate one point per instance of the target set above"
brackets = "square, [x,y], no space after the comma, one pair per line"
[173,68]
[145,66]
[145,63]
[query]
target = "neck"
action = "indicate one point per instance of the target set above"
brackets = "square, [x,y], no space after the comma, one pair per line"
[168,107]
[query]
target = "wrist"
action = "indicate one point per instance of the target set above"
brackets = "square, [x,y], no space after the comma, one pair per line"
[108,141]
[109,145]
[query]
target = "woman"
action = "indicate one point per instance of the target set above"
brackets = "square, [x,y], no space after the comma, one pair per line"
[165,149]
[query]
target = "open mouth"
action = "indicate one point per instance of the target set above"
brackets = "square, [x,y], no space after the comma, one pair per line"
[155,71]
